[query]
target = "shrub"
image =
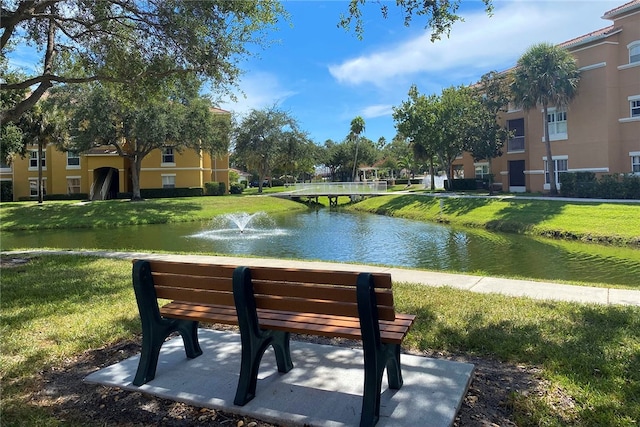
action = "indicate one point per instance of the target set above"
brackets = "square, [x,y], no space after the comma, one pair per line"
[214,188]
[236,188]
[631,186]
[164,193]
[6,191]
[568,184]
[614,186]
[466,184]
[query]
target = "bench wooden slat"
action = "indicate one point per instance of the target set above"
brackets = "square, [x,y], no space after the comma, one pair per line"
[327,277]
[190,281]
[195,295]
[192,269]
[312,290]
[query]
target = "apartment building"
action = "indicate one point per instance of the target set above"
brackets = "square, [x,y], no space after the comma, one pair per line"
[598,132]
[101,173]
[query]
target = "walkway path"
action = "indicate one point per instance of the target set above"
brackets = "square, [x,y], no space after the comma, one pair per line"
[481,284]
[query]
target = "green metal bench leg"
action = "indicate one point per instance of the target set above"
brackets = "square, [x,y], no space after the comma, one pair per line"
[377,356]
[155,329]
[254,340]
[394,372]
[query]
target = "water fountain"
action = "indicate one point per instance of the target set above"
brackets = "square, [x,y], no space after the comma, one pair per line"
[242,219]
[241,225]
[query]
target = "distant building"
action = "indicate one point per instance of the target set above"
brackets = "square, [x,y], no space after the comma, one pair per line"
[101,173]
[599,132]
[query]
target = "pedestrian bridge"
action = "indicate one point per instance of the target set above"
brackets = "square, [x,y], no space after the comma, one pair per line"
[333,190]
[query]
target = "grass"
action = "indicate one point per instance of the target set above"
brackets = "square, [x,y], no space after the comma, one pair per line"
[118,213]
[611,223]
[589,352]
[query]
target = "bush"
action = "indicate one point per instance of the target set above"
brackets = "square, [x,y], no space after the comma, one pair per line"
[631,185]
[466,184]
[6,191]
[214,188]
[236,188]
[567,184]
[76,196]
[164,193]
[585,185]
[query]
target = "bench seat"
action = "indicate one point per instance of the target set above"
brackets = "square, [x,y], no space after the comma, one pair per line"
[322,325]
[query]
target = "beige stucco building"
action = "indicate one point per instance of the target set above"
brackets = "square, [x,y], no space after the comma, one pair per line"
[101,173]
[600,129]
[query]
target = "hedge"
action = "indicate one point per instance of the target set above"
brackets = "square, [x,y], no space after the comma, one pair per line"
[162,193]
[585,185]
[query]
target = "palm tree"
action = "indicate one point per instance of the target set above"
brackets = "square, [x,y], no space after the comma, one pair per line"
[357,127]
[545,75]
[41,126]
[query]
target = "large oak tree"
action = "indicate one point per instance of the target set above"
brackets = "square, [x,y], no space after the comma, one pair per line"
[128,41]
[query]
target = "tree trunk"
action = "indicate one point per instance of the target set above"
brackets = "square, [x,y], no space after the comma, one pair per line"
[551,167]
[136,166]
[490,179]
[40,195]
[431,173]
[355,162]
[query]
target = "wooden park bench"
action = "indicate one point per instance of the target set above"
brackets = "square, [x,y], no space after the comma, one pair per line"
[268,304]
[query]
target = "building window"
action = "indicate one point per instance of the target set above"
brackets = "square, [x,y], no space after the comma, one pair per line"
[560,166]
[635,162]
[634,104]
[33,187]
[73,160]
[458,172]
[516,132]
[33,160]
[4,166]
[557,120]
[73,185]
[168,181]
[634,52]
[167,156]
[482,170]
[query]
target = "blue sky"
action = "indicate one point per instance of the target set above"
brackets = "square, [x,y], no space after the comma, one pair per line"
[324,76]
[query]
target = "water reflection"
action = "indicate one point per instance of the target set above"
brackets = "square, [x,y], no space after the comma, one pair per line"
[364,238]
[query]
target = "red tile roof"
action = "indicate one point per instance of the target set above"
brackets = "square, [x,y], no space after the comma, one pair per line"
[627,7]
[594,35]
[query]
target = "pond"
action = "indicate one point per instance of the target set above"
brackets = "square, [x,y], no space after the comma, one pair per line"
[330,235]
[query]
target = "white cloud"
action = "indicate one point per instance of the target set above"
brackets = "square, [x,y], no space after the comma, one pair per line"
[260,90]
[479,44]
[378,110]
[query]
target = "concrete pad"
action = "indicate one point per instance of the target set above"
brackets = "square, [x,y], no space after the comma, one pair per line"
[324,388]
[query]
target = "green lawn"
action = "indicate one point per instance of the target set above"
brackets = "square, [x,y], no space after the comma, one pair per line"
[590,353]
[117,213]
[611,223]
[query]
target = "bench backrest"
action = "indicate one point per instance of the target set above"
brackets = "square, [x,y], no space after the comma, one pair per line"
[193,282]
[282,289]
[317,291]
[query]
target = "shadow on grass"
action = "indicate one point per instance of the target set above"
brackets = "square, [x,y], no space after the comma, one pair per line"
[71,301]
[516,216]
[94,214]
[591,352]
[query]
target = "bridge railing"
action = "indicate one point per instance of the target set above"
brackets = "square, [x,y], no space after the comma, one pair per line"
[338,188]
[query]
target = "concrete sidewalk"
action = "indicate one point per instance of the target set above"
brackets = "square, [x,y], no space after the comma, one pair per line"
[482,284]
[324,389]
